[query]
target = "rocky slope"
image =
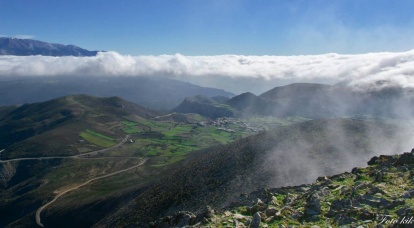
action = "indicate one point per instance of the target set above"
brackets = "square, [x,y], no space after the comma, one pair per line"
[380,195]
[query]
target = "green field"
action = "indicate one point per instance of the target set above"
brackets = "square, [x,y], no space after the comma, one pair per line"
[97,138]
[167,142]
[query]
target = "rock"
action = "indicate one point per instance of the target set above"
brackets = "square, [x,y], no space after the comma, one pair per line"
[270,219]
[239,217]
[313,218]
[258,202]
[373,161]
[375,190]
[356,170]
[208,212]
[367,215]
[370,200]
[296,215]
[288,199]
[227,213]
[379,175]
[185,220]
[255,223]
[338,205]
[408,194]
[259,206]
[271,211]
[341,219]
[313,204]
[182,219]
[313,208]
[405,211]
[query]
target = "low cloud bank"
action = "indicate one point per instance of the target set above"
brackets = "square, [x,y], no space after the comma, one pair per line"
[359,69]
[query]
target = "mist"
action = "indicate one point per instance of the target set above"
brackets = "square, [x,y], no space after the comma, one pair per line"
[336,151]
[234,73]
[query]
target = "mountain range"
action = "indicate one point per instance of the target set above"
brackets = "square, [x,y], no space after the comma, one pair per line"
[152,92]
[309,100]
[25,47]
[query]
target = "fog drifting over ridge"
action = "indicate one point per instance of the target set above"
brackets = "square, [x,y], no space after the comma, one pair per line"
[223,70]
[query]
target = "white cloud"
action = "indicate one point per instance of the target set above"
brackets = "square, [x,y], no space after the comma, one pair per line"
[397,67]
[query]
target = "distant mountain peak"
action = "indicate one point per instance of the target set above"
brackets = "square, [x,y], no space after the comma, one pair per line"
[27,47]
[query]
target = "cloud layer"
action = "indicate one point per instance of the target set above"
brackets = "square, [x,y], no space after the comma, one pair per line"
[397,67]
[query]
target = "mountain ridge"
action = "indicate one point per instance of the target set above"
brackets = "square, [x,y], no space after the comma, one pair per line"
[152,92]
[26,47]
[311,100]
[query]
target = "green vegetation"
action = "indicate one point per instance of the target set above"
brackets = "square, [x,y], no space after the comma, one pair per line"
[131,127]
[97,138]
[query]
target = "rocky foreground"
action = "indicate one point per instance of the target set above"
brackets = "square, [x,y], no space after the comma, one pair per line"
[381,195]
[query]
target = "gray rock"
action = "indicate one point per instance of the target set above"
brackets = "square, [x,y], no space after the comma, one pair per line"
[313,205]
[408,194]
[271,211]
[405,211]
[378,176]
[208,212]
[255,221]
[184,221]
[343,220]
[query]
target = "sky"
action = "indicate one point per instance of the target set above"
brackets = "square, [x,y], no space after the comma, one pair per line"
[215,27]
[236,45]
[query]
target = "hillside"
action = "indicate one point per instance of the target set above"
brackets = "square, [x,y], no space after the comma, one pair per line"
[284,156]
[249,104]
[152,92]
[380,195]
[24,47]
[54,127]
[104,150]
[205,106]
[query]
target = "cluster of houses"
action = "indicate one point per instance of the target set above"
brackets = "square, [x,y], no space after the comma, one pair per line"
[224,122]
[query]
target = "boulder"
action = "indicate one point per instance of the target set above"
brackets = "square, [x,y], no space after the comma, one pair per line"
[255,223]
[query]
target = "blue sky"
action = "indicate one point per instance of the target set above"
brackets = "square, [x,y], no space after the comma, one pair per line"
[215,27]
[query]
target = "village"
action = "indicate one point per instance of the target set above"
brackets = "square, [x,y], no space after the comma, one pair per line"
[229,124]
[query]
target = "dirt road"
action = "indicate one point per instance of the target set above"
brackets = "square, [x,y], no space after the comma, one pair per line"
[39,211]
[85,155]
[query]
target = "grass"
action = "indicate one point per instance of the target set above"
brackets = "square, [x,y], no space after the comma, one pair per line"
[131,127]
[97,138]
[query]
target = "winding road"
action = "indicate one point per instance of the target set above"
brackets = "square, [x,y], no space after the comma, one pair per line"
[85,155]
[39,211]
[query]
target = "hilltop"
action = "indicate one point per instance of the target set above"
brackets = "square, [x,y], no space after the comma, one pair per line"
[56,127]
